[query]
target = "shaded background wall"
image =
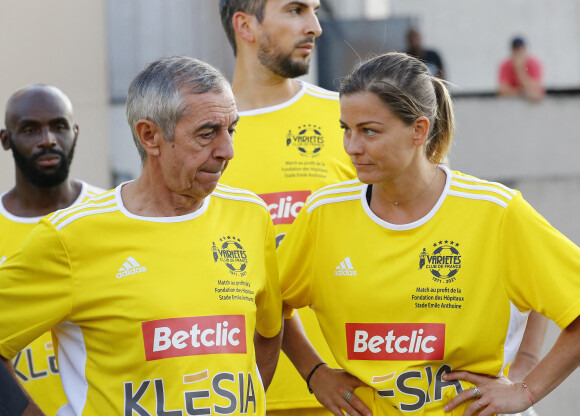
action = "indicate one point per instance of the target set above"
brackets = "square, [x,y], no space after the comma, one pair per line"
[474,35]
[91,49]
[62,43]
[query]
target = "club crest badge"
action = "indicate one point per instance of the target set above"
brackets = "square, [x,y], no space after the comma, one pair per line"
[443,261]
[308,141]
[232,254]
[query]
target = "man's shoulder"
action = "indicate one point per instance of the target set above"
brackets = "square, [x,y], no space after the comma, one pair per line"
[314,100]
[335,194]
[91,190]
[238,195]
[319,92]
[308,98]
[87,191]
[98,204]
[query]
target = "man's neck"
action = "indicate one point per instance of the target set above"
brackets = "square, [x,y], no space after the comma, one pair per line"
[27,200]
[257,87]
[148,196]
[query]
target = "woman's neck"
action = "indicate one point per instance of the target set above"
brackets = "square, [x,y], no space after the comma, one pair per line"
[408,200]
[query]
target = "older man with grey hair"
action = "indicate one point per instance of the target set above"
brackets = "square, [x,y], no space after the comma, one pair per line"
[163,293]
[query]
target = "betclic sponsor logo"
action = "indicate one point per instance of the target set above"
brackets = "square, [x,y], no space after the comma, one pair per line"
[400,341]
[180,337]
[284,206]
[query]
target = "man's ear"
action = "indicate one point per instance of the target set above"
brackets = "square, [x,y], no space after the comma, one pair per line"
[421,127]
[75,130]
[5,138]
[242,24]
[149,135]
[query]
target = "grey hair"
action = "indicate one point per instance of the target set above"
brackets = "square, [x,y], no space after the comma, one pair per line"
[230,7]
[156,93]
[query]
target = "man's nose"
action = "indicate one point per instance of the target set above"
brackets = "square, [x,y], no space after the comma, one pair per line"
[225,147]
[48,138]
[313,27]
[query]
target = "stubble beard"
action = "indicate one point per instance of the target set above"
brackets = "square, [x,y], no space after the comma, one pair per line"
[280,62]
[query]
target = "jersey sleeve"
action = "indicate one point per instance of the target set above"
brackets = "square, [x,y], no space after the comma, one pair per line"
[269,304]
[541,267]
[295,261]
[35,289]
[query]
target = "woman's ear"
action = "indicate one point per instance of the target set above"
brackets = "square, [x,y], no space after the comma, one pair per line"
[421,130]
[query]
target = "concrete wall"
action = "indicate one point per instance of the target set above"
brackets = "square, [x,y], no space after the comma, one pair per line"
[533,148]
[60,43]
[473,36]
[140,31]
[513,139]
[530,147]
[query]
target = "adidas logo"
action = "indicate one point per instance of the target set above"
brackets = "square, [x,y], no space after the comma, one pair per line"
[131,266]
[2,260]
[345,268]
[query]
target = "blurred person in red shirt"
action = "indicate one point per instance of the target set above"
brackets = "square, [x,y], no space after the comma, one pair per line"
[521,73]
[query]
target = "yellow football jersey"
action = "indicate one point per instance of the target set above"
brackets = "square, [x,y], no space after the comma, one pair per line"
[35,365]
[284,153]
[402,304]
[151,315]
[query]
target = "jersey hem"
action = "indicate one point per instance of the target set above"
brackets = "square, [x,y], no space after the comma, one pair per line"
[270,332]
[7,352]
[569,316]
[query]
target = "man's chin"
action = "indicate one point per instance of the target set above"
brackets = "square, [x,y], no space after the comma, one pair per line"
[47,185]
[46,181]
